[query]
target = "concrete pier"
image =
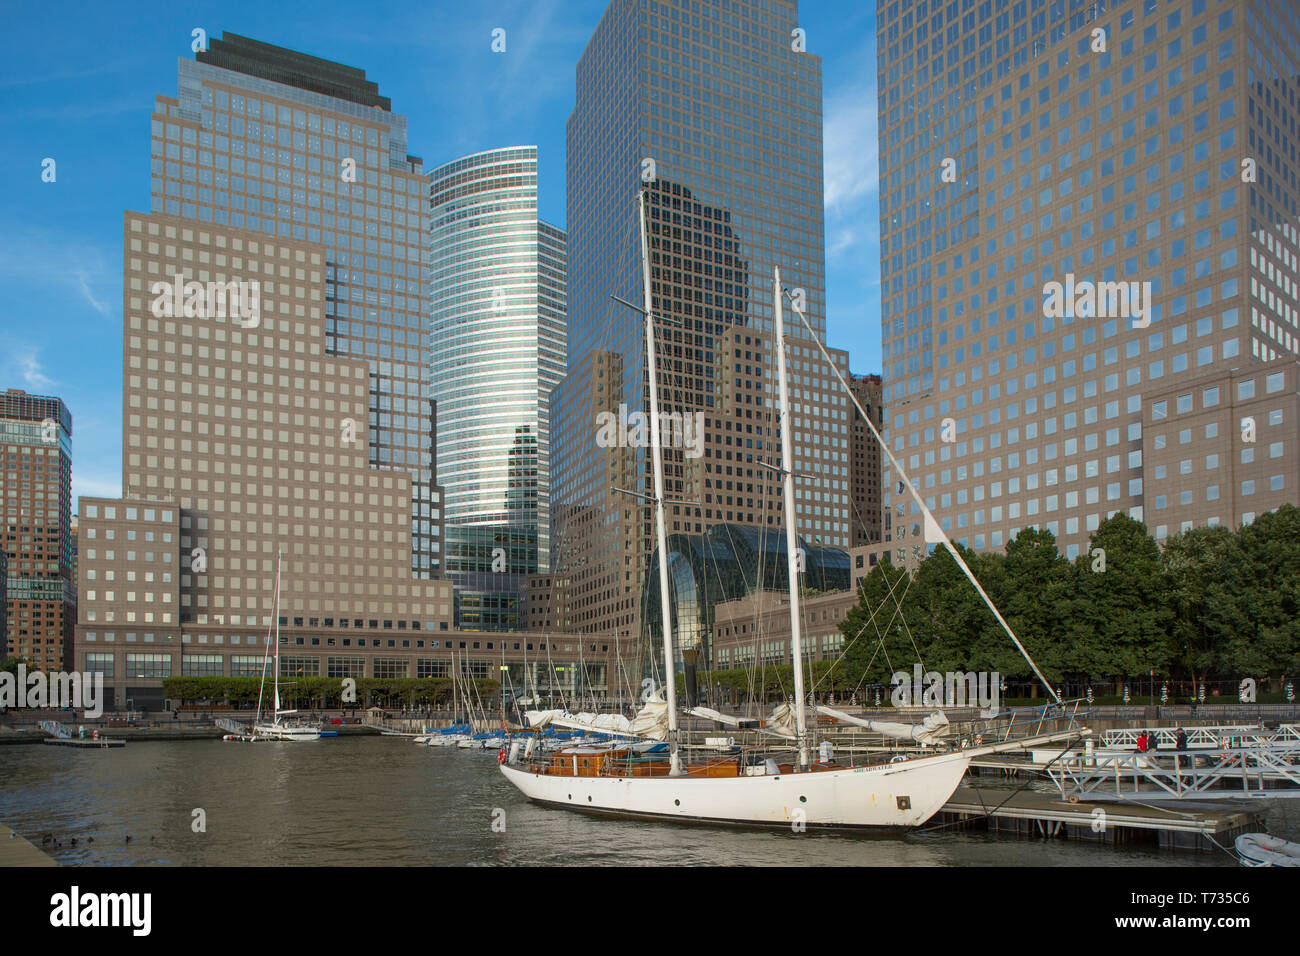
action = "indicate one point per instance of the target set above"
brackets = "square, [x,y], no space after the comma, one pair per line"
[17,851]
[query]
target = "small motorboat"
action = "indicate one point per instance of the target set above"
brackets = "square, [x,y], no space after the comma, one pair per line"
[1260,849]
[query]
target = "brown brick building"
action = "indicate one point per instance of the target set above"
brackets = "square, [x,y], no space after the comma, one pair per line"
[36,528]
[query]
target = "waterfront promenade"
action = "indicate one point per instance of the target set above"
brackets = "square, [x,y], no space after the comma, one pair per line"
[17,851]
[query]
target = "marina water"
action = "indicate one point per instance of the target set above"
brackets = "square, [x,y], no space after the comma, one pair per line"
[381,801]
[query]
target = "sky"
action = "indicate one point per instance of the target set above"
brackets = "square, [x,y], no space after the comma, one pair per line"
[77,85]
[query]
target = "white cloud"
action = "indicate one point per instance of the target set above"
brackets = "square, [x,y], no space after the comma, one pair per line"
[23,363]
[40,258]
[850,147]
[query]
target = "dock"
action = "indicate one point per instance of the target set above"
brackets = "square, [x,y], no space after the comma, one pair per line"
[85,743]
[1030,813]
[17,851]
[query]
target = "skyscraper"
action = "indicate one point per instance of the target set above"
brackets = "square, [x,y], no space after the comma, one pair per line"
[267,376]
[866,459]
[496,350]
[36,529]
[296,147]
[713,110]
[1087,241]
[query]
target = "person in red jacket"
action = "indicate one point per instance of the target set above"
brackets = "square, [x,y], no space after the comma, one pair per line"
[1142,742]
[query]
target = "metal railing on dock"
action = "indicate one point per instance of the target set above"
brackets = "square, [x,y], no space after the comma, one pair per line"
[1264,770]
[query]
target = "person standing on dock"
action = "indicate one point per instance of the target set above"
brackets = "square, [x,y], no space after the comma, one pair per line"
[1142,742]
[1180,745]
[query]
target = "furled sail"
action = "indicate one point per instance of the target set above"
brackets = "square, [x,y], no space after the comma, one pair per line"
[929,731]
[651,721]
[708,713]
[782,722]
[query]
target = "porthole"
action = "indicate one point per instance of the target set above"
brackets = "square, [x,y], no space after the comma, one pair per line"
[677,803]
[803,799]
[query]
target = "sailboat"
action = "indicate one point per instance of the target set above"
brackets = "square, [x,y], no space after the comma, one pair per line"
[626,780]
[277,729]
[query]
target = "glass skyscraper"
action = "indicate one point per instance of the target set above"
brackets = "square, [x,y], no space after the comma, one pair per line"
[713,110]
[297,147]
[1031,146]
[496,350]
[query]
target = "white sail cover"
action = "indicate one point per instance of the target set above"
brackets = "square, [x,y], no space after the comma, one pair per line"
[651,721]
[782,722]
[708,713]
[929,731]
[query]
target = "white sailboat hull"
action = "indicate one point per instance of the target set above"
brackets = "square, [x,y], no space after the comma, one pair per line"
[279,732]
[904,794]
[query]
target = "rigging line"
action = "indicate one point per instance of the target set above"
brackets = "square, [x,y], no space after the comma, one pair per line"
[928,520]
[989,813]
[871,620]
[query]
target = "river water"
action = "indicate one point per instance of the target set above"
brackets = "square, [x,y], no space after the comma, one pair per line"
[384,801]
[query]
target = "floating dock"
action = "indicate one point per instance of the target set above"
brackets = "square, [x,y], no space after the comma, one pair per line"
[1031,813]
[85,743]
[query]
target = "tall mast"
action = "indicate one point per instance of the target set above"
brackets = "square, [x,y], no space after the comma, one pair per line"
[278,556]
[791,538]
[931,530]
[657,454]
[266,656]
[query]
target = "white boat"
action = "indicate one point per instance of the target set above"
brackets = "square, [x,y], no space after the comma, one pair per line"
[279,729]
[446,740]
[1260,849]
[892,795]
[613,780]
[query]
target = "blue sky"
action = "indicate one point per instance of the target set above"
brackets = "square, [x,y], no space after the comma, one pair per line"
[78,81]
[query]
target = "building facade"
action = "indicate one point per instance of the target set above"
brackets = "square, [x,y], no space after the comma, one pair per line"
[1084,211]
[865,459]
[273,398]
[712,112]
[299,148]
[496,350]
[36,525]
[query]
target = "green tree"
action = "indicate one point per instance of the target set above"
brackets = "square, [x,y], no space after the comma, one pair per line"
[1119,625]
[1267,637]
[875,642]
[1033,587]
[1205,584]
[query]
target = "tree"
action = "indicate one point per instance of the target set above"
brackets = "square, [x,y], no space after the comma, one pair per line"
[1205,584]
[1267,637]
[1033,587]
[946,615]
[1118,625]
[874,637]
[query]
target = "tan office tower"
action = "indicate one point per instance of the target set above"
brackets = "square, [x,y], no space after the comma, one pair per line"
[272,387]
[36,530]
[243,439]
[865,459]
[713,111]
[1088,261]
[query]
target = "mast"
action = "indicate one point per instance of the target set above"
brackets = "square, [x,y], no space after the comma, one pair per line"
[791,538]
[657,454]
[278,556]
[931,530]
[261,688]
